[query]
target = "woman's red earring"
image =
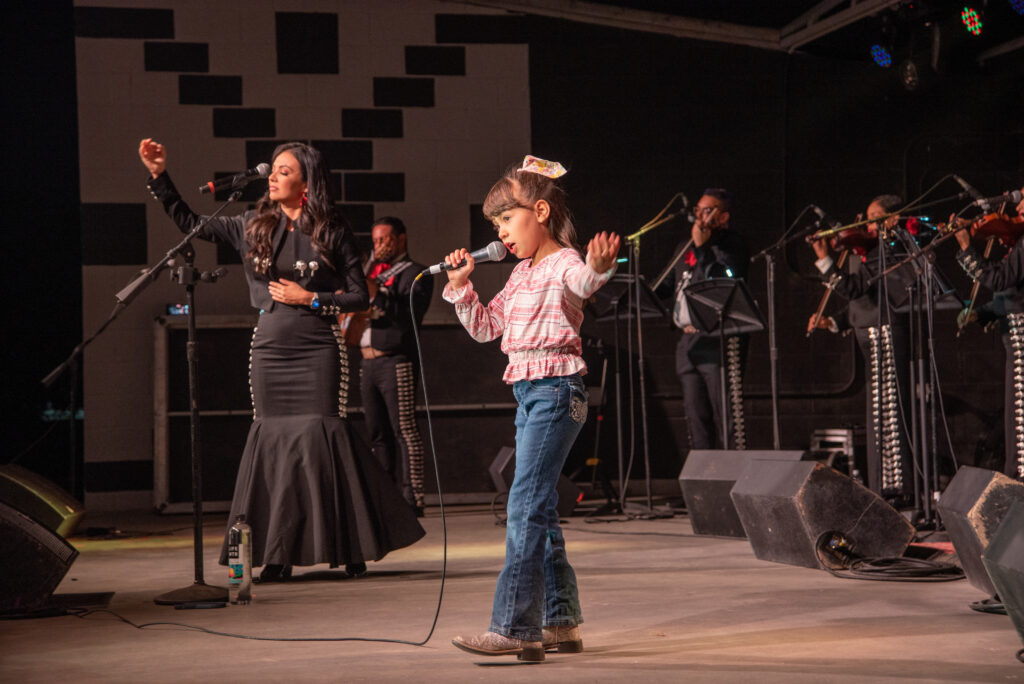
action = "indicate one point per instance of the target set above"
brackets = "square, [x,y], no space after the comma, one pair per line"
[305,197]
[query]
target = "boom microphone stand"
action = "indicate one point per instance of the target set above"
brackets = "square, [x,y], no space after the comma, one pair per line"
[188,276]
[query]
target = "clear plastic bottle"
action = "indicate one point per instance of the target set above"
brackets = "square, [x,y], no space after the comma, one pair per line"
[240,562]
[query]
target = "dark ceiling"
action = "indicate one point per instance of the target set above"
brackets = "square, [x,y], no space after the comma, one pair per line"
[912,26]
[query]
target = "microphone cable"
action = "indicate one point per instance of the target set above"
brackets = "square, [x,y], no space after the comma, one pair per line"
[83,613]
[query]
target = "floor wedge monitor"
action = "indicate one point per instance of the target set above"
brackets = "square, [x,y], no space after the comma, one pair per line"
[40,499]
[33,561]
[1004,561]
[971,508]
[706,479]
[786,506]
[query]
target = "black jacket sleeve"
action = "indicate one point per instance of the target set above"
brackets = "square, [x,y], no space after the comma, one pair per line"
[996,275]
[227,229]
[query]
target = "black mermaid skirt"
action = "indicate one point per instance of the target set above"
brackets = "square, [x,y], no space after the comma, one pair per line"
[310,487]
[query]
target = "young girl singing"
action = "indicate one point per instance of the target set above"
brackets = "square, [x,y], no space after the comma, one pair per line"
[538,316]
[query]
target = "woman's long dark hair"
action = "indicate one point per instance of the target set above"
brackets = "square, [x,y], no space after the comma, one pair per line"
[318,214]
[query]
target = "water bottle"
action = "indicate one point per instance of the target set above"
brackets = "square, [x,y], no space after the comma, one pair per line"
[240,562]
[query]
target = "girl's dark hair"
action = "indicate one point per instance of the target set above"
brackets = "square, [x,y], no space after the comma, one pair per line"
[317,217]
[519,188]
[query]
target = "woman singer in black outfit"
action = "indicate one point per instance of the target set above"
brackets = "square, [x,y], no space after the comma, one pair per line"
[309,487]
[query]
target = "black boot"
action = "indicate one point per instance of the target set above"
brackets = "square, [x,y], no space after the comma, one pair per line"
[275,573]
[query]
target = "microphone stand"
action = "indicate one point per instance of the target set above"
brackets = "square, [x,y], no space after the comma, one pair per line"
[187,276]
[635,309]
[773,349]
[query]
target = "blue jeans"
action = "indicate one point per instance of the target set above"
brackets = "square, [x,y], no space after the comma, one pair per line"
[537,586]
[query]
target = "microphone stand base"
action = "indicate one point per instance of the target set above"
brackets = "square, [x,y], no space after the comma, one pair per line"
[197,592]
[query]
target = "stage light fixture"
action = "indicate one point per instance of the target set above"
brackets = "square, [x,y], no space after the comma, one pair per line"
[909,76]
[882,56]
[972,20]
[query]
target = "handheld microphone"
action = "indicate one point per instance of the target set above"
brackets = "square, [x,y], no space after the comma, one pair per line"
[492,252]
[1012,197]
[237,181]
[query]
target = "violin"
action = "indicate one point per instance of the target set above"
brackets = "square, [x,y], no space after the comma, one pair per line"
[857,240]
[1000,226]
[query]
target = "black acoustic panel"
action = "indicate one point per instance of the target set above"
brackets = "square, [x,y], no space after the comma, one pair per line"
[356,155]
[307,42]
[972,507]
[360,217]
[39,499]
[334,190]
[177,57]
[209,90]
[374,187]
[502,471]
[113,234]
[118,476]
[123,22]
[371,123]
[228,255]
[251,193]
[244,123]
[706,480]
[1004,562]
[33,561]
[261,151]
[435,60]
[481,28]
[785,506]
[403,92]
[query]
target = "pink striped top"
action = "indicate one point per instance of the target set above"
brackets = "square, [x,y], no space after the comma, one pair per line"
[538,314]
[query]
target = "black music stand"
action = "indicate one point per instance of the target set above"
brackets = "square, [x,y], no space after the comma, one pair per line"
[625,291]
[722,306]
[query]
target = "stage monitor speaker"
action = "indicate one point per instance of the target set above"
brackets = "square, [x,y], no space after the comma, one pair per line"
[971,509]
[785,507]
[33,561]
[706,479]
[40,499]
[1004,561]
[503,468]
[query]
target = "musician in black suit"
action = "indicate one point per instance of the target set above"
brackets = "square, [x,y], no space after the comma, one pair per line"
[1006,277]
[717,252]
[882,334]
[387,379]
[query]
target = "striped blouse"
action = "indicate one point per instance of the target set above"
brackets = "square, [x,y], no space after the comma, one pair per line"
[538,315]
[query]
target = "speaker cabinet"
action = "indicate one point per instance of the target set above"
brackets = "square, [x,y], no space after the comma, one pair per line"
[786,506]
[503,469]
[1004,561]
[40,499]
[33,561]
[706,480]
[973,505]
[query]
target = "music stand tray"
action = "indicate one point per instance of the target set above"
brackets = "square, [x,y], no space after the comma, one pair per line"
[619,287]
[723,306]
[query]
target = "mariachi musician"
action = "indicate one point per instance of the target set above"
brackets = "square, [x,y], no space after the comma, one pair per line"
[1006,278]
[714,250]
[388,372]
[882,335]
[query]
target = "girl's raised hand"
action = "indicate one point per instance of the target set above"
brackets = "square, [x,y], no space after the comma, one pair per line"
[153,156]
[602,250]
[458,277]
